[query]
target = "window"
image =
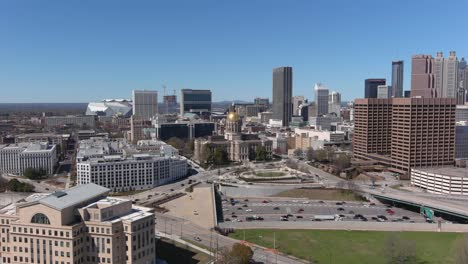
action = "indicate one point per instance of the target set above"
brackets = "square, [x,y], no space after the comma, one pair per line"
[40,219]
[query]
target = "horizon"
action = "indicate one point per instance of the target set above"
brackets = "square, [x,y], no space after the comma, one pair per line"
[89,51]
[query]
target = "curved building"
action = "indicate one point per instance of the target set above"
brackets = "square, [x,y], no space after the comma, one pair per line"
[110,108]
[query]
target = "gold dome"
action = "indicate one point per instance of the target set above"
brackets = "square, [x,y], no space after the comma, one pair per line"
[233,116]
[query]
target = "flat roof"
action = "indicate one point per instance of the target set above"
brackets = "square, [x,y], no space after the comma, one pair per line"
[446,171]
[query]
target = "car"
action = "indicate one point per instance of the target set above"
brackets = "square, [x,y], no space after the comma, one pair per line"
[338,203]
[342,215]
[233,213]
[46,189]
[225,209]
[305,202]
[172,190]
[259,218]
[382,217]
[248,210]
[182,185]
[276,208]
[300,210]
[340,209]
[284,219]
[364,219]
[374,218]
[240,208]
[246,200]
[234,216]
[249,219]
[294,201]
[299,216]
[136,200]
[264,201]
[405,217]
[289,215]
[321,201]
[245,205]
[372,204]
[227,220]
[390,211]
[198,239]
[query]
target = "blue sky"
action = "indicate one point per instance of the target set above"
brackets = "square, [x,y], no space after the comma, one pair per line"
[80,51]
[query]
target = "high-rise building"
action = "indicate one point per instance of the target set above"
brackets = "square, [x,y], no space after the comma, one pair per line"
[262,101]
[423,77]
[462,82]
[170,103]
[321,99]
[405,132]
[194,100]
[450,86]
[384,91]
[397,78]
[145,104]
[282,94]
[370,87]
[78,225]
[297,101]
[439,74]
[334,103]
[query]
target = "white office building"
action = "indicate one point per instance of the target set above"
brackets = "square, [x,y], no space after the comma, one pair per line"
[384,91]
[334,103]
[120,166]
[145,104]
[16,158]
[137,172]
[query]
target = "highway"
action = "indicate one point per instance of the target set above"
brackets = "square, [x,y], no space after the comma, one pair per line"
[271,209]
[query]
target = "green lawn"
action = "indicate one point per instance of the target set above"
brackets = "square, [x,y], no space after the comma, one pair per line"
[353,247]
[321,194]
[270,174]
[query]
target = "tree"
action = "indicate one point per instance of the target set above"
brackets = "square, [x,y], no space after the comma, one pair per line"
[343,162]
[321,155]
[298,153]
[239,254]
[176,143]
[34,174]
[261,153]
[310,154]
[462,250]
[16,186]
[399,250]
[330,154]
[220,156]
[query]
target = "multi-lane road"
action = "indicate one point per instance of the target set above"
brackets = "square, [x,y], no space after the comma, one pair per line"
[272,209]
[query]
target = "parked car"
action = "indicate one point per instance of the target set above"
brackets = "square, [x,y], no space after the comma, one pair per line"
[340,209]
[276,208]
[405,218]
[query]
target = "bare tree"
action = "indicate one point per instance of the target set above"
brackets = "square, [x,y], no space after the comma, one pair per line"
[462,250]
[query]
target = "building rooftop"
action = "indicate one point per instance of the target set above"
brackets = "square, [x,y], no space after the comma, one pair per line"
[446,171]
[73,196]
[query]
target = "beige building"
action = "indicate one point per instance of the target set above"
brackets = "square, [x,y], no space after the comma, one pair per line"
[240,147]
[78,225]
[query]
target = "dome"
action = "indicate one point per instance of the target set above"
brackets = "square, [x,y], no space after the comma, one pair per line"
[233,116]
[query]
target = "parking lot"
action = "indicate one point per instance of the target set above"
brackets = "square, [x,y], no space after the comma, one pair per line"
[313,210]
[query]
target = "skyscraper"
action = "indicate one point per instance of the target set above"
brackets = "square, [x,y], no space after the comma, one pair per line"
[194,100]
[334,103]
[422,76]
[397,78]
[462,81]
[297,101]
[145,104]
[321,99]
[282,94]
[450,86]
[384,91]
[370,87]
[439,74]
[401,133]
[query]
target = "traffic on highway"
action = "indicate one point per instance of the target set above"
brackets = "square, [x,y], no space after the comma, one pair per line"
[274,209]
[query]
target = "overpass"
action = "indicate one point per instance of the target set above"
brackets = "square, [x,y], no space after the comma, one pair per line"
[453,208]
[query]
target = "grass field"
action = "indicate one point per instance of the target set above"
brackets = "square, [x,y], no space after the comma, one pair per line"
[321,194]
[270,174]
[353,247]
[178,253]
